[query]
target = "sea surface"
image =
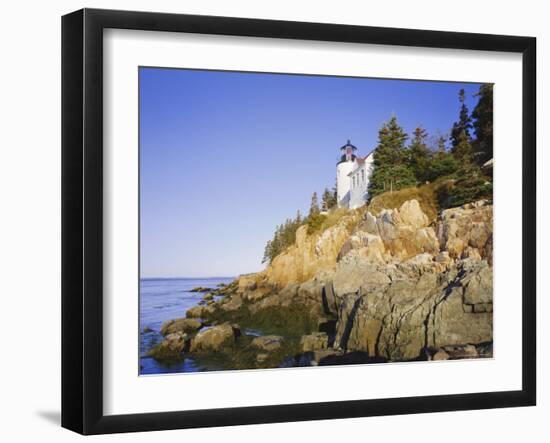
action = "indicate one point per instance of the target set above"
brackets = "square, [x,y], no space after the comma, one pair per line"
[163,299]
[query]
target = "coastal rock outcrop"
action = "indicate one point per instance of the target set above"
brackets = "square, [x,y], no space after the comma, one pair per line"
[215,338]
[171,347]
[200,311]
[310,254]
[467,230]
[394,233]
[180,325]
[390,286]
[397,289]
[398,320]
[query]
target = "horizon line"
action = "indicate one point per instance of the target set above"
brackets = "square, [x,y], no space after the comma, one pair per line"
[186,278]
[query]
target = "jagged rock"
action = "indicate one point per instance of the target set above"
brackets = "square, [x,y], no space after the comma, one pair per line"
[309,254]
[180,325]
[365,245]
[199,311]
[478,286]
[176,341]
[232,304]
[404,232]
[358,273]
[419,306]
[257,294]
[443,257]
[411,214]
[171,347]
[282,299]
[329,299]
[311,291]
[313,342]
[470,225]
[214,338]
[390,287]
[208,297]
[267,342]
[247,282]
[470,252]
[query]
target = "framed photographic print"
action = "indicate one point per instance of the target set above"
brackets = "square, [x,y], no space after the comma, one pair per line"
[269,221]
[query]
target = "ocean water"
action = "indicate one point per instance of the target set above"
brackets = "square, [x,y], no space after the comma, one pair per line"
[163,299]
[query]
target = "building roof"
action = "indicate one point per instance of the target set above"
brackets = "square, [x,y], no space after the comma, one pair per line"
[348,144]
[360,162]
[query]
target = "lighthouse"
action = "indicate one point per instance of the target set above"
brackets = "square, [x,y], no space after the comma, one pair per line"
[343,168]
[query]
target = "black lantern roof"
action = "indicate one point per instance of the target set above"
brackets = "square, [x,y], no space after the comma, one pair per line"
[348,145]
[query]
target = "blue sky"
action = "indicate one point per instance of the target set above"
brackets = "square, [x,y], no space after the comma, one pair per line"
[225,157]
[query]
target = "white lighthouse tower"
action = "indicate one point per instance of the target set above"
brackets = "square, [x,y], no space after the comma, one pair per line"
[343,168]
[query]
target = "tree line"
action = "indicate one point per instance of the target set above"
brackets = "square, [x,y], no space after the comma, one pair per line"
[285,233]
[399,163]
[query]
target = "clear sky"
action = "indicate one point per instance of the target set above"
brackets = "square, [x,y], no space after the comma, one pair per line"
[225,157]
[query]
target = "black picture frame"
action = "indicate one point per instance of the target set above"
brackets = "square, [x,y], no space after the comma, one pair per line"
[82,220]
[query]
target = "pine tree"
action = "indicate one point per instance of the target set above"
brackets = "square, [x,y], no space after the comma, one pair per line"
[326,200]
[461,128]
[460,134]
[442,162]
[334,195]
[314,207]
[470,184]
[441,140]
[390,171]
[483,124]
[419,155]
[284,236]
[267,252]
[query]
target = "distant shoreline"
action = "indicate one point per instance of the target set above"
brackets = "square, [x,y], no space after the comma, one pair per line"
[187,278]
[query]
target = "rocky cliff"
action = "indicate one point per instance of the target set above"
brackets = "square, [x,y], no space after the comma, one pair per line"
[387,287]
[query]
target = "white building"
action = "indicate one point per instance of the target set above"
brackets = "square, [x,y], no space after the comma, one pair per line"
[352,177]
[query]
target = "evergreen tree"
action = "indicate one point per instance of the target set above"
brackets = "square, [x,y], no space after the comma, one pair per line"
[334,195]
[390,168]
[325,200]
[463,151]
[284,236]
[483,124]
[419,155]
[460,134]
[441,140]
[328,199]
[471,185]
[461,128]
[314,207]
[443,164]
[442,161]
[267,252]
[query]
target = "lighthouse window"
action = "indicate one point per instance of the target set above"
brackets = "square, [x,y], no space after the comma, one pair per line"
[362,176]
